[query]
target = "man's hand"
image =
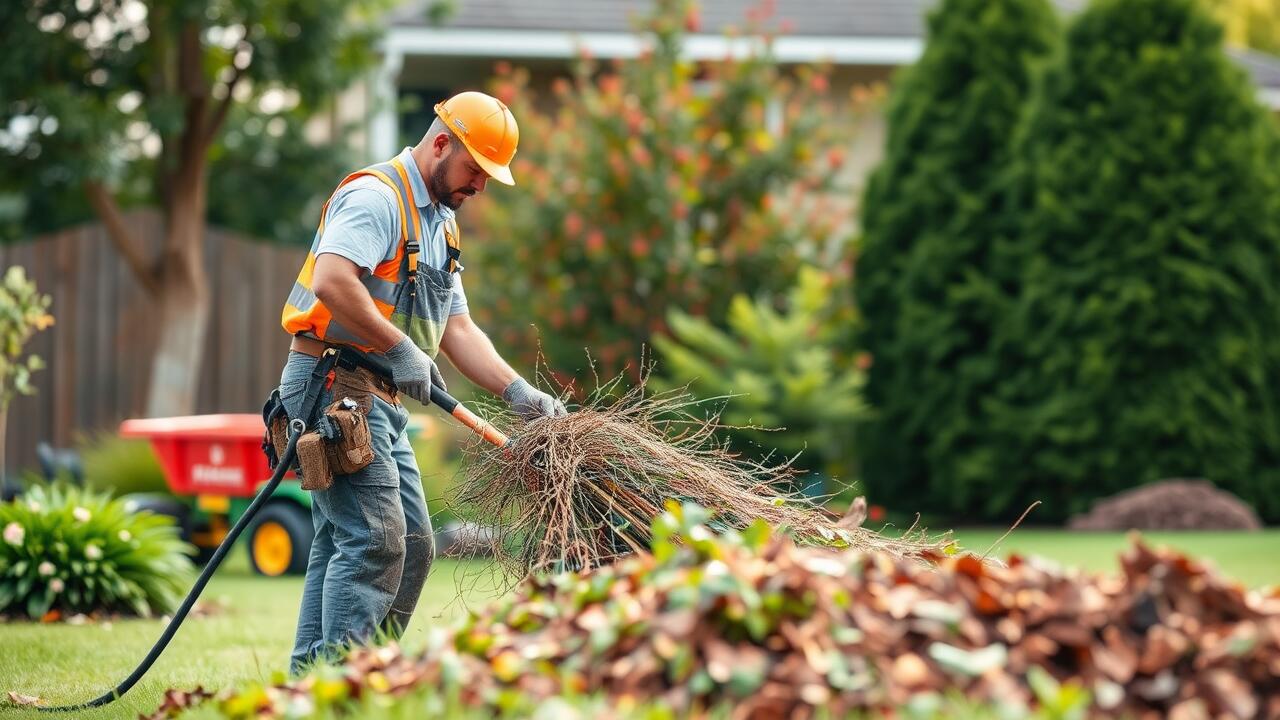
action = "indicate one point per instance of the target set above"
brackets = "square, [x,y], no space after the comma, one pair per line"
[413,371]
[531,403]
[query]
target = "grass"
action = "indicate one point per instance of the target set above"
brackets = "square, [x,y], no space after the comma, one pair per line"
[251,637]
[1247,557]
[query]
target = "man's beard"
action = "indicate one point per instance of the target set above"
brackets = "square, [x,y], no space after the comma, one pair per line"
[442,192]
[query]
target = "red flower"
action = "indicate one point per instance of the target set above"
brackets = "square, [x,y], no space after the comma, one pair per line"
[876,513]
[595,242]
[692,20]
[573,224]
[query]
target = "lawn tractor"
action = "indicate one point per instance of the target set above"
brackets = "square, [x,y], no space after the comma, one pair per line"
[215,464]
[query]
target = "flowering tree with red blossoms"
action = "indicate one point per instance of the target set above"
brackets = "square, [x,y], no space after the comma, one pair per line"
[651,184]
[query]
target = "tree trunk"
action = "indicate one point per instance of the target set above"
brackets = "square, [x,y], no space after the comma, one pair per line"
[182,302]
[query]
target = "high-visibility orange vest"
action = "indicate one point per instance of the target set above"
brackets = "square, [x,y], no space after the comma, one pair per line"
[304,314]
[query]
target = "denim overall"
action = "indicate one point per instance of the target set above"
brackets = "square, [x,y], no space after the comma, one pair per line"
[373,544]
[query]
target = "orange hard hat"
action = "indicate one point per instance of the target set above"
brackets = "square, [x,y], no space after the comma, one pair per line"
[486,127]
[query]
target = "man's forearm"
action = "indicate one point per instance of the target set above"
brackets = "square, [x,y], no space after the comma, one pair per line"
[347,299]
[472,353]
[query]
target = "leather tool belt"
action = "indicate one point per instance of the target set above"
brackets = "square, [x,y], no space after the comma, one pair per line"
[338,441]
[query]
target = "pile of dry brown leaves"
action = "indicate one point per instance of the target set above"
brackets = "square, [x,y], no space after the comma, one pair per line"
[583,490]
[773,630]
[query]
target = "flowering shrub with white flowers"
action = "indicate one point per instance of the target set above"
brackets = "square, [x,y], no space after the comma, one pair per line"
[65,550]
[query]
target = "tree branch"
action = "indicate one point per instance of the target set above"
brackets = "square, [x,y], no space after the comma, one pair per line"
[224,106]
[104,204]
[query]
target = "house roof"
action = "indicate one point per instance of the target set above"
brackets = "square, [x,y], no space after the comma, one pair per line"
[865,32]
[1264,68]
[818,18]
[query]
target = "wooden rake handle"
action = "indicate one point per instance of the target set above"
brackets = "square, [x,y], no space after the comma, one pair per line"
[464,415]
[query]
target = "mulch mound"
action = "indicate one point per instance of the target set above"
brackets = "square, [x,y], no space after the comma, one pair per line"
[780,631]
[1170,505]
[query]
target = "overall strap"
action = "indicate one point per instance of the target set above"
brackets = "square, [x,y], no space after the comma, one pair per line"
[319,378]
[453,245]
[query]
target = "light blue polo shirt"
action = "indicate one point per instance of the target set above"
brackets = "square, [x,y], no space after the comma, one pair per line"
[362,224]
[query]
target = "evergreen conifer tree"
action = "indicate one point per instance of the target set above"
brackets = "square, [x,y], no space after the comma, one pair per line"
[1145,338]
[932,212]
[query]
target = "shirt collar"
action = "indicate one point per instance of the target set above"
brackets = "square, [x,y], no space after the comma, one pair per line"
[419,187]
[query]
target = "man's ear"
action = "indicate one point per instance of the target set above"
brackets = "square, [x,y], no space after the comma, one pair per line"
[440,145]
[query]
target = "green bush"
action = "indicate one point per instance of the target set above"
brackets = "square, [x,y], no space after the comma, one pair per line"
[781,371]
[77,551]
[933,212]
[1145,339]
[652,185]
[118,466]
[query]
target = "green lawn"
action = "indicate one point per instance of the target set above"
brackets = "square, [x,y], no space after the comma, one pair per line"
[251,637]
[1247,557]
[249,640]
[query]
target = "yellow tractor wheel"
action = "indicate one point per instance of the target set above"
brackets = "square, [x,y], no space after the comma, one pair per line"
[280,540]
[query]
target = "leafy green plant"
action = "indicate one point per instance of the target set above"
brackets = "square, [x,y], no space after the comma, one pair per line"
[119,466]
[783,370]
[77,551]
[657,182]
[23,312]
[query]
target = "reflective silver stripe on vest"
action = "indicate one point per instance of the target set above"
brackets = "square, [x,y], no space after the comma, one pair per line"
[301,297]
[381,290]
[339,334]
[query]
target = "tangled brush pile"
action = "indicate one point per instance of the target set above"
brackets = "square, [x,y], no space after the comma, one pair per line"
[580,491]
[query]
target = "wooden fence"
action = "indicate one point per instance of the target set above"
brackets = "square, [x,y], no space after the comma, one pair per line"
[99,351]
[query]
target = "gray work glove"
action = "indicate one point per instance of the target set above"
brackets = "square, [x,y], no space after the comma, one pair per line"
[413,371]
[531,403]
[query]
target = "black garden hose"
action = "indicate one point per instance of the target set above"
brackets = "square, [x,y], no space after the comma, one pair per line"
[296,428]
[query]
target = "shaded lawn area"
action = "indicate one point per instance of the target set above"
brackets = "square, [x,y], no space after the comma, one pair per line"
[251,637]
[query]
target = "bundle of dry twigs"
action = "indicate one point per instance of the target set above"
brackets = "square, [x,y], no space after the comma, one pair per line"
[579,491]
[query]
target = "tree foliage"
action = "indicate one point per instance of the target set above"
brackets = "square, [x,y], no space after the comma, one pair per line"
[1145,339]
[189,105]
[657,182]
[107,91]
[1250,23]
[932,211]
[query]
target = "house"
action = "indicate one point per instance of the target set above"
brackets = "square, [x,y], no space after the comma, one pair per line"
[435,47]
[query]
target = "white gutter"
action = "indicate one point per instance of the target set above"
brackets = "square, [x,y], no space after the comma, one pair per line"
[548,44]
[492,43]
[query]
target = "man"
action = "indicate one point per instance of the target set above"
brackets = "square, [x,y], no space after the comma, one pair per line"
[383,277]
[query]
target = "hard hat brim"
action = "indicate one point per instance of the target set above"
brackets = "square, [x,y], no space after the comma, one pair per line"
[501,173]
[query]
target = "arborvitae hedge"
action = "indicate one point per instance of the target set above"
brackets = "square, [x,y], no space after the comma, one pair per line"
[1144,342]
[932,210]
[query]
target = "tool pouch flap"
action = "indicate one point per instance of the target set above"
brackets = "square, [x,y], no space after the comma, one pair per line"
[349,443]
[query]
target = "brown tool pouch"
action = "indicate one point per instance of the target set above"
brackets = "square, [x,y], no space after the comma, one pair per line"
[349,444]
[314,461]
